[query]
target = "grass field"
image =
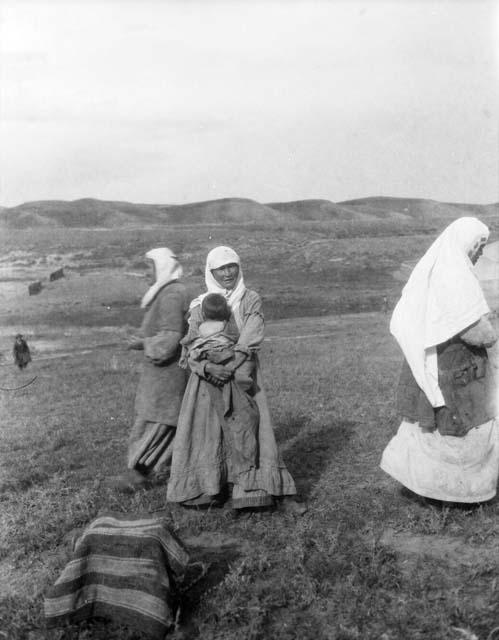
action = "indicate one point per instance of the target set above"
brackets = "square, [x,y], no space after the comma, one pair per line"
[365,562]
[304,270]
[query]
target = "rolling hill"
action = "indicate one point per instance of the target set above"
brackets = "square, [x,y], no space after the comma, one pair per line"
[420,209]
[93,213]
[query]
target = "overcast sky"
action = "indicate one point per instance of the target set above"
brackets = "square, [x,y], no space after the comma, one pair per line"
[185,100]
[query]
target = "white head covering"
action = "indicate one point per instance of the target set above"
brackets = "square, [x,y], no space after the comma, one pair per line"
[219,257]
[167,270]
[441,298]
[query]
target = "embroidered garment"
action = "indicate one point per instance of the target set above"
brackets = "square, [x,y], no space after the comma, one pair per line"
[454,469]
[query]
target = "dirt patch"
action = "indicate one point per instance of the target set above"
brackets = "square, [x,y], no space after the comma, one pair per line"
[453,551]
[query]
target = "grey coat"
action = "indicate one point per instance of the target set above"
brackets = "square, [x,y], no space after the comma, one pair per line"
[162,382]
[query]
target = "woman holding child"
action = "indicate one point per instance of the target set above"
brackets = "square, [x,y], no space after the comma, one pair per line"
[447,445]
[224,433]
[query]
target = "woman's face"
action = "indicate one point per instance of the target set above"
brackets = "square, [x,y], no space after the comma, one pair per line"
[477,249]
[150,272]
[227,275]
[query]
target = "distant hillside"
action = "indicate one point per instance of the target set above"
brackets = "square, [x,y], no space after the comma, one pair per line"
[86,212]
[317,210]
[226,210]
[92,213]
[419,208]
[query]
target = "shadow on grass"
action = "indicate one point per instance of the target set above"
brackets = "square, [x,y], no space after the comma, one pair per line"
[290,426]
[313,450]
[43,466]
[20,479]
[18,614]
[219,560]
[466,507]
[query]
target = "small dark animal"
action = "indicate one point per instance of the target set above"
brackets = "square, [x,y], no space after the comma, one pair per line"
[34,288]
[56,275]
[21,353]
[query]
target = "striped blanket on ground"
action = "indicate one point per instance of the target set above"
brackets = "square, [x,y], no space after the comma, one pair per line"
[124,569]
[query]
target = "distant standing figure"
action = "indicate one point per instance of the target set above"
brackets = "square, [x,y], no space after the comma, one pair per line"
[21,353]
[56,275]
[34,288]
[162,382]
[447,445]
[385,305]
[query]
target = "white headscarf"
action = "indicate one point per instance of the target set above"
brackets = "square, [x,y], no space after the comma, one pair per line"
[441,298]
[167,270]
[219,257]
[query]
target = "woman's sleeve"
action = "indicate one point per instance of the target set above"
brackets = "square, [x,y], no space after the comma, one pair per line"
[194,321]
[480,334]
[253,329]
[163,345]
[193,326]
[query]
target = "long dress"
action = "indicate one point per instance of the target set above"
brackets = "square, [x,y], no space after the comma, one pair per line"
[204,461]
[449,454]
[162,382]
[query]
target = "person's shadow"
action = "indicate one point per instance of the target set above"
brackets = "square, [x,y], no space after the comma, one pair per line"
[211,563]
[440,505]
[311,448]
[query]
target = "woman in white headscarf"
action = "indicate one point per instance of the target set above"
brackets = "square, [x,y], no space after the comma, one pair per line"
[213,449]
[162,382]
[447,446]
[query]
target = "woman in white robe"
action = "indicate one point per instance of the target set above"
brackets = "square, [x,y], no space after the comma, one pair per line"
[447,445]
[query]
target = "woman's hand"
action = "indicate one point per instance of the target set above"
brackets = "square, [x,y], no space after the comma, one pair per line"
[217,374]
[238,360]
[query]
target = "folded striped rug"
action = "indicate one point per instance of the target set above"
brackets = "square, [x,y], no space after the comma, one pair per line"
[124,569]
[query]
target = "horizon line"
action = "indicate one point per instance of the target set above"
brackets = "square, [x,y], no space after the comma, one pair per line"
[268,203]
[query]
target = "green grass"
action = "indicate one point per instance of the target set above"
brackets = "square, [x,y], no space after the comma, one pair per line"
[366,561]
